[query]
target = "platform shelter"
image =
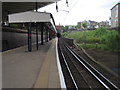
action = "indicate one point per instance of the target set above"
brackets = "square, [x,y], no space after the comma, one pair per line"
[43,21]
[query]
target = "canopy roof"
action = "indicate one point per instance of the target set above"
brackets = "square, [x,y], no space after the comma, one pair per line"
[29,16]
[16,6]
[10,7]
[33,17]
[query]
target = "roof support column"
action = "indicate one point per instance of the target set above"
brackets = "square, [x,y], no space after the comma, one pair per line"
[50,35]
[36,29]
[37,36]
[42,27]
[46,35]
[29,38]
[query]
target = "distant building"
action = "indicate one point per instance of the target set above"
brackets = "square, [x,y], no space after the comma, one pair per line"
[92,24]
[70,27]
[104,24]
[59,28]
[80,25]
[115,15]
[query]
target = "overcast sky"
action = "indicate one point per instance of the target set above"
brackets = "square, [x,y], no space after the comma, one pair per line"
[80,10]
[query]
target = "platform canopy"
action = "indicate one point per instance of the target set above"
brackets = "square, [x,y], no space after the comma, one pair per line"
[29,16]
[17,6]
[32,17]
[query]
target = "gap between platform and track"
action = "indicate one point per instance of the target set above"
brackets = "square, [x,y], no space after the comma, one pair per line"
[62,80]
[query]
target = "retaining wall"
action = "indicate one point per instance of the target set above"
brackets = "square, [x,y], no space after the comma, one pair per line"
[12,40]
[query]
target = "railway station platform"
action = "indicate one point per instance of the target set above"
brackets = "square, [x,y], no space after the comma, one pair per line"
[36,69]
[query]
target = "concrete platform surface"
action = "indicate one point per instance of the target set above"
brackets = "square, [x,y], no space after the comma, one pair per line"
[36,69]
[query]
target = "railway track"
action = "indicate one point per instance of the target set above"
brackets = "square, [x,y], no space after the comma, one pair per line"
[78,73]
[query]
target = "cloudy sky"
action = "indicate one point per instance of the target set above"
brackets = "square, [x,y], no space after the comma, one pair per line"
[80,10]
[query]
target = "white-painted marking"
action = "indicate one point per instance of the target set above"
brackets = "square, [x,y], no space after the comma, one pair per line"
[62,80]
[0,70]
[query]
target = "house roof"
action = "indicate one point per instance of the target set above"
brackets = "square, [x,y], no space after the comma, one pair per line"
[115,5]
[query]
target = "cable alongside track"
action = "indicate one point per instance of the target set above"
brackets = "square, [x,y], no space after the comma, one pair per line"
[78,73]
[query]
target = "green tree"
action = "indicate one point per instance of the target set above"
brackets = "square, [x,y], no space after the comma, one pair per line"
[78,25]
[65,27]
[84,25]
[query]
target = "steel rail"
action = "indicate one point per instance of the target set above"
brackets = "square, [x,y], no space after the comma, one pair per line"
[79,71]
[105,82]
[71,75]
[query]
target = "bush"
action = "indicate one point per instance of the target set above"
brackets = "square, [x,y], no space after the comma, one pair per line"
[16,25]
[65,34]
[100,32]
[113,40]
[107,40]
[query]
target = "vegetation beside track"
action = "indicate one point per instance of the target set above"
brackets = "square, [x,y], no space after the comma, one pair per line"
[101,38]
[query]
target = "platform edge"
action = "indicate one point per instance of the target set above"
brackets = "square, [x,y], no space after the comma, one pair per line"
[61,77]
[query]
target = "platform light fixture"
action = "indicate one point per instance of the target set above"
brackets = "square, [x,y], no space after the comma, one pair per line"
[67,2]
[56,7]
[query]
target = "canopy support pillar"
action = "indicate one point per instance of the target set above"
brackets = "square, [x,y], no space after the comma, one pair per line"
[29,38]
[42,27]
[36,28]
[46,35]
[50,35]
[37,36]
